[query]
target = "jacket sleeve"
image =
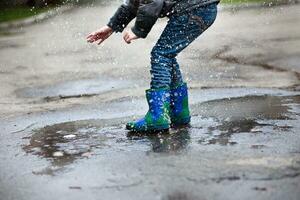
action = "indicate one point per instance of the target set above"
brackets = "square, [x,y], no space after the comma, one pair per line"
[122,17]
[147,14]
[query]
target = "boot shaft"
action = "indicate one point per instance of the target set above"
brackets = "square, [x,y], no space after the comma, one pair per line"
[179,108]
[159,101]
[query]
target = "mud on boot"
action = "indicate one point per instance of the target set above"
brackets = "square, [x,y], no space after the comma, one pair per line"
[158,115]
[179,108]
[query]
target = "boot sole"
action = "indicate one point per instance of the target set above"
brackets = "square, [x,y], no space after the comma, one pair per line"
[150,128]
[182,122]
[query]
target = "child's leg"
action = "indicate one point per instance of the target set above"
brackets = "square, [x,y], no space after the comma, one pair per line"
[176,77]
[179,33]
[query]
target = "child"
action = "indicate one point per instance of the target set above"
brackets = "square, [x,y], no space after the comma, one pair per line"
[167,97]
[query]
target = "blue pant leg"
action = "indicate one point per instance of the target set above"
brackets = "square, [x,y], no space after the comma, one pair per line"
[176,77]
[179,33]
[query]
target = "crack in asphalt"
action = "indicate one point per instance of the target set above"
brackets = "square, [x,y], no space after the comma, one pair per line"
[61,97]
[24,129]
[232,59]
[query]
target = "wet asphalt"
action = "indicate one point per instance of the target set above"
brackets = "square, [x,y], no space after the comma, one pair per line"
[236,147]
[63,112]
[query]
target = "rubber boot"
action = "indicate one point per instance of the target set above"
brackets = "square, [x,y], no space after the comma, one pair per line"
[158,115]
[179,110]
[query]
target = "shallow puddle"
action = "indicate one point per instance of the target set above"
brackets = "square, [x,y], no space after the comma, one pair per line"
[250,114]
[249,107]
[214,123]
[64,143]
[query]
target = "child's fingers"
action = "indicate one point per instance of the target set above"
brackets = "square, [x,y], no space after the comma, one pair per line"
[99,36]
[91,39]
[100,41]
[94,38]
[95,34]
[126,38]
[128,41]
[91,35]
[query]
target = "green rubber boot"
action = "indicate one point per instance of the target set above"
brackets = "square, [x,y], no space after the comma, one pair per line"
[158,115]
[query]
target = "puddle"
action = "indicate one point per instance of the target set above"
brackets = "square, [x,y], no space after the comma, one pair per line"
[249,107]
[66,142]
[73,89]
[250,114]
[214,123]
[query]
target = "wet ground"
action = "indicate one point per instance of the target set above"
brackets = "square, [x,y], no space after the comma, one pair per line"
[64,105]
[260,117]
[246,144]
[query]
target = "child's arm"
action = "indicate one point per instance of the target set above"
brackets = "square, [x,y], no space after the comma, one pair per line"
[124,14]
[146,13]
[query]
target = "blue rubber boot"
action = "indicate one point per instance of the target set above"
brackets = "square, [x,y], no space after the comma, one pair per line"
[158,115]
[179,110]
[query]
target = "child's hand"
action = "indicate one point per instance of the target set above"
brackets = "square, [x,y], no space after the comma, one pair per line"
[129,36]
[99,35]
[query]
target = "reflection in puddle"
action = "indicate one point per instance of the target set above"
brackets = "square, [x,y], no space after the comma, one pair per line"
[218,121]
[173,141]
[63,143]
[249,107]
[250,114]
[221,134]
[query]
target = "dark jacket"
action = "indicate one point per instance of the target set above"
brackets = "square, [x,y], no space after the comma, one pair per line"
[148,11]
